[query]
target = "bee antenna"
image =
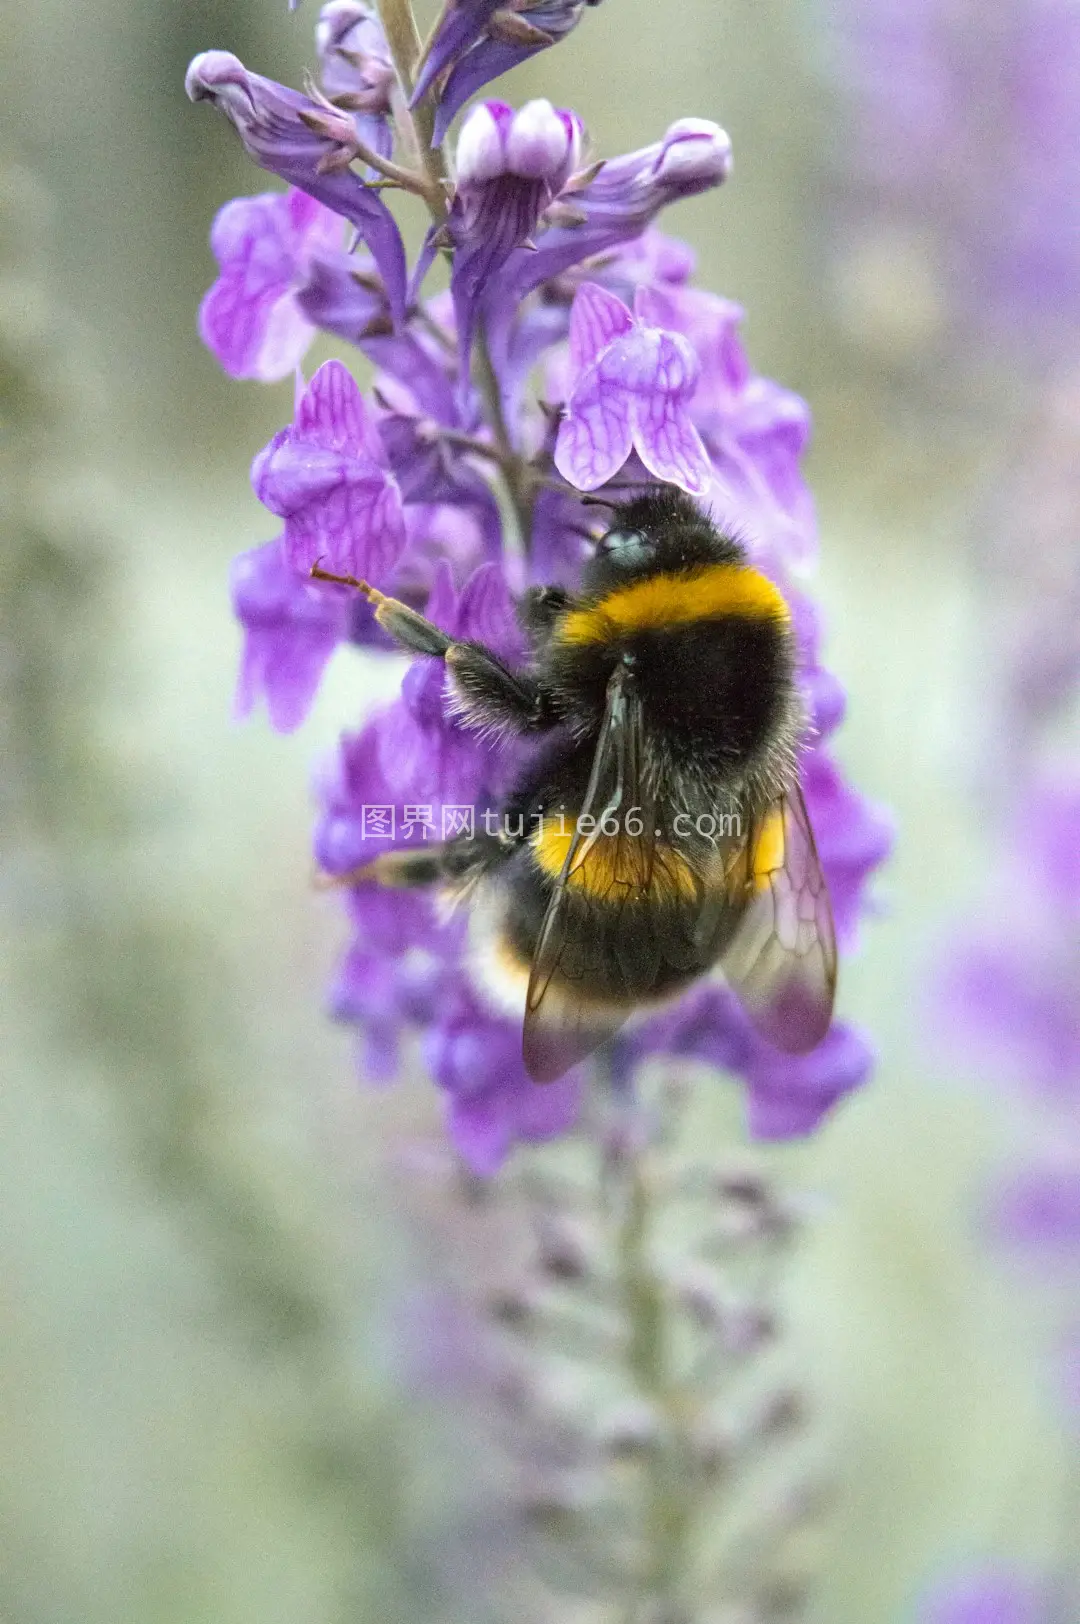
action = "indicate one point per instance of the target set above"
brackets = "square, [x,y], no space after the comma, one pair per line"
[596,501]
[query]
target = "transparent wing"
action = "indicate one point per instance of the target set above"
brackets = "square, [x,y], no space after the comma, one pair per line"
[781,962]
[562,1023]
[627,910]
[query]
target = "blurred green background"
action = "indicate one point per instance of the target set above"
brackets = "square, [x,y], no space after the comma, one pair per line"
[200,1248]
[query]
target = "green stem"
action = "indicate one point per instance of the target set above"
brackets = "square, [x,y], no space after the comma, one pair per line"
[407,50]
[519,479]
[649,1361]
[403,38]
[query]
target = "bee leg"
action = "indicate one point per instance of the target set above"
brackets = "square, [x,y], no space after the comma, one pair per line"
[408,628]
[486,692]
[409,869]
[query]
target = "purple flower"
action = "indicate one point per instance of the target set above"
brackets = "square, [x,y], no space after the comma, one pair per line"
[327,477]
[251,318]
[511,166]
[357,70]
[475,1057]
[291,628]
[343,294]
[789,1095]
[483,39]
[853,836]
[308,145]
[985,1597]
[629,393]
[426,756]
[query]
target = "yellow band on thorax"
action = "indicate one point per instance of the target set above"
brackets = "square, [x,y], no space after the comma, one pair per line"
[662,601]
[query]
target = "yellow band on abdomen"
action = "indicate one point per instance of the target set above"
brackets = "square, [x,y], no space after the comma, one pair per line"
[616,865]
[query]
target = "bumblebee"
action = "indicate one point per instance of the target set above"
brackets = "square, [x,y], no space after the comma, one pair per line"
[659,832]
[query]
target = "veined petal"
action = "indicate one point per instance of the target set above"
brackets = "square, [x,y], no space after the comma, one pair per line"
[596,318]
[354,528]
[332,412]
[668,443]
[595,437]
[249,318]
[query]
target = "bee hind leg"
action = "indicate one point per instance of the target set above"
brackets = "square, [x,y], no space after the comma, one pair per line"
[453,862]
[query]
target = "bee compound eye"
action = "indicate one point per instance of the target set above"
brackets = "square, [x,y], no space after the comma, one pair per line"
[623,545]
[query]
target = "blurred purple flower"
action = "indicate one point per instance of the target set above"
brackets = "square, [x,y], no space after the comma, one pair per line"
[475,1056]
[787,1096]
[251,318]
[327,477]
[629,392]
[1009,991]
[308,145]
[357,70]
[968,126]
[1037,1213]
[986,1597]
[291,627]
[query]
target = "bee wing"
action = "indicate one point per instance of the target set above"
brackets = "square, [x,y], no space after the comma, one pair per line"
[781,963]
[562,1023]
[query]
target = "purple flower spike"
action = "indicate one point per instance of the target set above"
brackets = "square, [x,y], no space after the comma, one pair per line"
[291,628]
[630,393]
[326,476]
[309,145]
[511,166]
[357,71]
[483,39]
[250,318]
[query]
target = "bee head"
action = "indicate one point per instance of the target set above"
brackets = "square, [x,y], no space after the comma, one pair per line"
[661,530]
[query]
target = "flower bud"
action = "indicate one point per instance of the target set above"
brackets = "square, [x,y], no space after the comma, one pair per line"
[538,142]
[480,153]
[695,154]
[219,76]
[543,143]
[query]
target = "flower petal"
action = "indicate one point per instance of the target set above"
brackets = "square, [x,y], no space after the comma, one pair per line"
[596,318]
[595,436]
[668,443]
[291,628]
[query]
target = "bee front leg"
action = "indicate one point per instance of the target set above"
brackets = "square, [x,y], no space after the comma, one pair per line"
[405,626]
[487,694]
